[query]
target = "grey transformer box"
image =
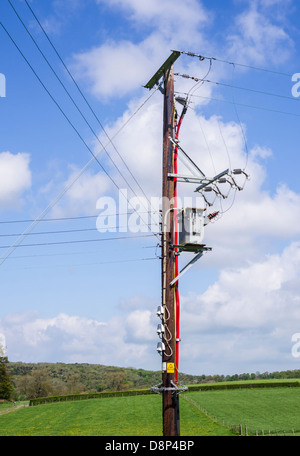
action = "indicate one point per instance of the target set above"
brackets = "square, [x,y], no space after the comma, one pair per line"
[191,226]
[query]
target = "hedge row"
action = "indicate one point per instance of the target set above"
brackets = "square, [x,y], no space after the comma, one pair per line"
[140,392]
[79,397]
[256,384]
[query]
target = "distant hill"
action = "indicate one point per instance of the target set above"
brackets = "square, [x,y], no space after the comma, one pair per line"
[43,379]
[33,380]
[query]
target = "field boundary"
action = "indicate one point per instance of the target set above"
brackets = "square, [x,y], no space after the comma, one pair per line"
[147,391]
[13,409]
[83,396]
[240,385]
[242,429]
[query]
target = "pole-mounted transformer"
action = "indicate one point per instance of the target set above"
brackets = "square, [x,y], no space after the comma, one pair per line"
[189,223]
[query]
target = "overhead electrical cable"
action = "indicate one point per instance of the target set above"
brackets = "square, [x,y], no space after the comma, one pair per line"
[78,230]
[65,116]
[261,92]
[263,108]
[60,195]
[201,57]
[201,80]
[65,254]
[205,139]
[135,260]
[52,204]
[225,145]
[79,217]
[86,101]
[216,190]
[239,121]
[58,106]
[76,105]
[79,241]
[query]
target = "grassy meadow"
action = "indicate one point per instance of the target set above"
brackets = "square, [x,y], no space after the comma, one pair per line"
[202,413]
[121,416]
[262,409]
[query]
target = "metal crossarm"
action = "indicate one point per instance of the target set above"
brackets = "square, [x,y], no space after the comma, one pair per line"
[165,67]
[187,179]
[213,179]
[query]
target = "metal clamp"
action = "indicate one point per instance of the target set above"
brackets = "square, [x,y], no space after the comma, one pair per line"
[159,389]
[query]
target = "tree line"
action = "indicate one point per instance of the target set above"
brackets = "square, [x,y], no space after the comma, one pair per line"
[23,381]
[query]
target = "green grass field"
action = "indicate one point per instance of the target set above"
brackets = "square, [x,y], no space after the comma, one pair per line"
[270,409]
[128,416]
[274,409]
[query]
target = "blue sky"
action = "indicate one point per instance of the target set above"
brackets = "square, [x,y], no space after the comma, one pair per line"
[95,300]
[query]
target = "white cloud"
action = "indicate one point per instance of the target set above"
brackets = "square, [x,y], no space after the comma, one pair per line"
[257,37]
[249,314]
[139,327]
[256,214]
[164,15]
[246,318]
[72,338]
[82,194]
[62,11]
[117,68]
[2,345]
[15,178]
[243,322]
[139,143]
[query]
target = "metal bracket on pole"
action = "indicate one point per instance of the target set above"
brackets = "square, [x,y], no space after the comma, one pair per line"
[159,389]
[188,266]
[198,175]
[186,179]
[190,164]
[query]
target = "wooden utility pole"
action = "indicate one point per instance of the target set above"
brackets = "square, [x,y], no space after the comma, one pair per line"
[172,245]
[168,387]
[169,397]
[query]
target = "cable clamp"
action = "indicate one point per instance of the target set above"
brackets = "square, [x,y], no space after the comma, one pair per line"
[159,389]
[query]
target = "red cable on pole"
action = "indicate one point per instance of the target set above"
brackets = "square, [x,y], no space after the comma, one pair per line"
[176,242]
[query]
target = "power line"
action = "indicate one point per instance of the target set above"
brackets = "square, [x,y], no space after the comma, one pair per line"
[201,57]
[64,114]
[78,230]
[240,123]
[68,93]
[136,260]
[242,104]
[238,87]
[53,232]
[79,241]
[83,96]
[79,217]
[235,104]
[66,254]
[60,195]
[75,104]
[50,206]
[58,105]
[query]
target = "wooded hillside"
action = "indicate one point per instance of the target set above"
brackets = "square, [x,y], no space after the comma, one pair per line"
[46,379]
